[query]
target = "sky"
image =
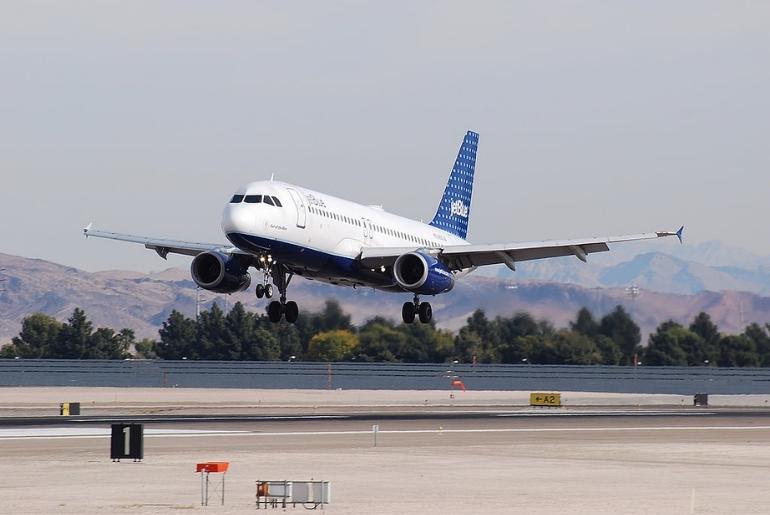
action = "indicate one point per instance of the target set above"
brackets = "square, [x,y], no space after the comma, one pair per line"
[595,118]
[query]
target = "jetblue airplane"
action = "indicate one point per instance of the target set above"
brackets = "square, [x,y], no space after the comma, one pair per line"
[283,230]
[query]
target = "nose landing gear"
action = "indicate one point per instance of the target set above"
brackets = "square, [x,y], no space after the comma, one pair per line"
[416,308]
[264,290]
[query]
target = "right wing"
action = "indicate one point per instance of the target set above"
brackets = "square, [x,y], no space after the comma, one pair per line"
[164,246]
[461,257]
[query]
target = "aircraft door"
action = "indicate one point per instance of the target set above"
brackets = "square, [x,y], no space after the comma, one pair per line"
[367,226]
[299,202]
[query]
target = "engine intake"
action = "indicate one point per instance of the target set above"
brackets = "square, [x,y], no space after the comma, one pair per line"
[220,273]
[422,273]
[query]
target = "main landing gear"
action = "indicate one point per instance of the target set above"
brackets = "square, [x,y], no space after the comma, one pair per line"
[278,309]
[421,309]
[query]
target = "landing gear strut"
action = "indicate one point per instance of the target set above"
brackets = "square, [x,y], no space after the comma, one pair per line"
[421,309]
[278,309]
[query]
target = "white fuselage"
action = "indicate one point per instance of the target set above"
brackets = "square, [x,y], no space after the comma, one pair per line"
[319,235]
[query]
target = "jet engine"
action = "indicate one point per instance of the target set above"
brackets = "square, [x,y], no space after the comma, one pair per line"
[422,273]
[220,273]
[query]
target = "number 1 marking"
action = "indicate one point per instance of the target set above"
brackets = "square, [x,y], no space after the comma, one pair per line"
[126,441]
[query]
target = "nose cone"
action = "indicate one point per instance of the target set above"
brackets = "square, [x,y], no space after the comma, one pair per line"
[236,219]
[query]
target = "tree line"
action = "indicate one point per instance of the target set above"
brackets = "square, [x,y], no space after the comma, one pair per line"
[329,335]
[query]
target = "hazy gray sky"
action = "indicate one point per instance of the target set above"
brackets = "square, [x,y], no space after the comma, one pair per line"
[595,117]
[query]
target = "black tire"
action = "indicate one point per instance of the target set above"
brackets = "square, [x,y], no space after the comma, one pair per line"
[260,291]
[291,311]
[407,312]
[274,311]
[269,291]
[426,312]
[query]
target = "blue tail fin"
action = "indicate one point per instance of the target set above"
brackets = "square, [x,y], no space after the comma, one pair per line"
[455,207]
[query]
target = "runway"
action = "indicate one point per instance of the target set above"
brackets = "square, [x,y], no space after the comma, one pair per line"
[390,415]
[425,460]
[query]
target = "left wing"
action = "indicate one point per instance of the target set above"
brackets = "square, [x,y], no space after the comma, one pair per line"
[164,246]
[460,257]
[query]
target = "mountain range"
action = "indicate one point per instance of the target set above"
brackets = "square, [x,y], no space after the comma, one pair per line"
[733,286]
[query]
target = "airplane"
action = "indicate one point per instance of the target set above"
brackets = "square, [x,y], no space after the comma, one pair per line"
[283,230]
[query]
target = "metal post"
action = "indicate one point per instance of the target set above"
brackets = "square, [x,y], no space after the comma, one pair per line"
[223,488]
[375,430]
[329,376]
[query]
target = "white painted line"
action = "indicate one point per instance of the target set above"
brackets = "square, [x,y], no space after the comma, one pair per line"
[46,433]
[579,413]
[170,433]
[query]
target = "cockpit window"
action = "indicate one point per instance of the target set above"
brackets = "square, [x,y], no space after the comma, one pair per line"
[254,199]
[277,202]
[268,200]
[237,199]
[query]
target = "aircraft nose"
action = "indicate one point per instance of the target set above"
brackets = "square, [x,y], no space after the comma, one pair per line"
[236,219]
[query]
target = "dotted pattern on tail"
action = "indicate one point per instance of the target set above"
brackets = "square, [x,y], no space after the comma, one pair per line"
[455,207]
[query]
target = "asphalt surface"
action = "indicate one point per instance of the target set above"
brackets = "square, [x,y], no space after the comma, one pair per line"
[311,419]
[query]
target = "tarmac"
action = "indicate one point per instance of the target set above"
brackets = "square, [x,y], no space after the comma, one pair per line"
[600,454]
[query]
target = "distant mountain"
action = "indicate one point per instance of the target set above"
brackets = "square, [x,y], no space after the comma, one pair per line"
[143,301]
[668,272]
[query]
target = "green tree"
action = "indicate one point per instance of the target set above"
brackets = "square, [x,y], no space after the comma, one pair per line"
[514,346]
[212,338]
[379,340]
[564,347]
[478,340]
[609,350]
[335,345]
[104,343]
[39,333]
[585,324]
[425,344]
[620,328]
[761,338]
[178,338]
[709,334]
[664,347]
[145,348]
[737,351]
[74,338]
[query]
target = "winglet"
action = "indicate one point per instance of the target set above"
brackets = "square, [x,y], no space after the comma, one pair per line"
[679,234]
[86,229]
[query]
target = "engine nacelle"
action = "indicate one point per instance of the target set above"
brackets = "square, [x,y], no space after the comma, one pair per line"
[220,273]
[422,273]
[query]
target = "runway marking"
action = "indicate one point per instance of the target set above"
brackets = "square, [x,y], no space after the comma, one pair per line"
[79,433]
[634,413]
[50,433]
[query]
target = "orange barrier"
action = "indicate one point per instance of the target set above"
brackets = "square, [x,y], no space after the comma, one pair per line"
[456,383]
[212,466]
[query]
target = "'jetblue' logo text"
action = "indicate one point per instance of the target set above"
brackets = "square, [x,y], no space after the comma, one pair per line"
[459,208]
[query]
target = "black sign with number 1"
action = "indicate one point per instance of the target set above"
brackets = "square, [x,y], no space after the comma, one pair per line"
[127,442]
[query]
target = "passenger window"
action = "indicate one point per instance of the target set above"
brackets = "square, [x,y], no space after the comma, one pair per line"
[277,202]
[236,199]
[268,200]
[253,199]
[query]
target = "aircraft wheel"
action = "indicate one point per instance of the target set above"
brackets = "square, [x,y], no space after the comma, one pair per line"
[269,291]
[291,311]
[274,311]
[408,312]
[426,312]
[260,291]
